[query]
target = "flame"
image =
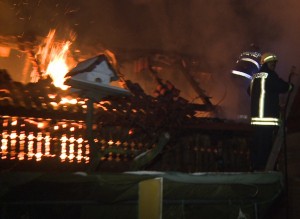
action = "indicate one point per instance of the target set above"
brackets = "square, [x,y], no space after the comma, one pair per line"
[54,58]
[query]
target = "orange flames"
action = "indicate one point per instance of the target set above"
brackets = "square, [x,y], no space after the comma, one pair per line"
[54,58]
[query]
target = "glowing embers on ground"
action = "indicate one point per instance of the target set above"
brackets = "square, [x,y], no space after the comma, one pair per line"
[67,103]
[26,139]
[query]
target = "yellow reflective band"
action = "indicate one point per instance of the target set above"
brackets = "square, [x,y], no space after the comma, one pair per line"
[241,74]
[270,58]
[268,119]
[251,60]
[262,97]
[265,123]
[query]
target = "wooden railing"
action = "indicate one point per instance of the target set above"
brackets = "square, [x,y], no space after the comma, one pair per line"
[194,149]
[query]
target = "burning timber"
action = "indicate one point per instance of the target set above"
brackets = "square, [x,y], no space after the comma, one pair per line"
[52,122]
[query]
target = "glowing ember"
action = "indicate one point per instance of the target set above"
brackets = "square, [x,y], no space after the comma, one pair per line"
[53,57]
[39,143]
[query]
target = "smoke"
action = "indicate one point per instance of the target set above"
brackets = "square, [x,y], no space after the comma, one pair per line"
[215,30]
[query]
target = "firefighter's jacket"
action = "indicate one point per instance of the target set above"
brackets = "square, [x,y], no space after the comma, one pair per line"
[265,88]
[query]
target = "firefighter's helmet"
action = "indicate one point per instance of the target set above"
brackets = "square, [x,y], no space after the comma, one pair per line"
[268,57]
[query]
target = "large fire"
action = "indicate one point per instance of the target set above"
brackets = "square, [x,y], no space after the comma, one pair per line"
[55,58]
[17,142]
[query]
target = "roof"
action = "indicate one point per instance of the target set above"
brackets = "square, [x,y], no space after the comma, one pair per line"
[91,64]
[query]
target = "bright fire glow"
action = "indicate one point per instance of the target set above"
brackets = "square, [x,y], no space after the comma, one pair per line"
[53,57]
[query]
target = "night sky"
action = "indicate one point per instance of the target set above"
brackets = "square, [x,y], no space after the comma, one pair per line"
[215,30]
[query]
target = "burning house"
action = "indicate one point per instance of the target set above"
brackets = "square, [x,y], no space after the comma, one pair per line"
[86,122]
[45,107]
[148,130]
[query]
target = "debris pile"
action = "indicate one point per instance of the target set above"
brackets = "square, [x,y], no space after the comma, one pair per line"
[124,127]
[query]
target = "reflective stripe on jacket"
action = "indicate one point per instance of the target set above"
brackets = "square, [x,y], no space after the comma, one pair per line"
[264,90]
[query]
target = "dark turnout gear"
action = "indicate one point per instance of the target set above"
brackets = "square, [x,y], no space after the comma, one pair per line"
[262,145]
[265,88]
[247,64]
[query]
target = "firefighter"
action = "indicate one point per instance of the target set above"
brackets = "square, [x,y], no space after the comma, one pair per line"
[248,63]
[265,88]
